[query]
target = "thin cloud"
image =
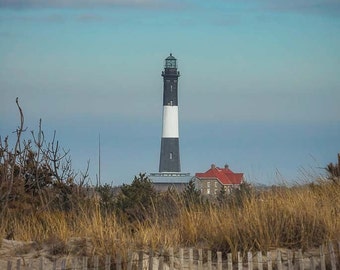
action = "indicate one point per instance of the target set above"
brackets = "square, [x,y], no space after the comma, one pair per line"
[51,18]
[148,4]
[89,18]
[328,7]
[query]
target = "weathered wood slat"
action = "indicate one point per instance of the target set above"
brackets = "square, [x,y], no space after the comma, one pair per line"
[161,261]
[290,260]
[18,264]
[269,261]
[219,260]
[85,259]
[181,258]
[250,260]
[259,261]
[63,264]
[108,262]
[129,262]
[119,261]
[322,258]
[312,263]
[191,259]
[300,258]
[332,255]
[239,261]
[209,261]
[230,261]
[171,259]
[150,260]
[200,260]
[140,259]
[9,265]
[279,260]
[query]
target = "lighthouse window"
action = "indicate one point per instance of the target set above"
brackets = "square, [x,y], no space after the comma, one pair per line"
[171,155]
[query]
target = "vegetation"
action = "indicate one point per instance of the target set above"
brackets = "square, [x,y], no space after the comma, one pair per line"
[43,200]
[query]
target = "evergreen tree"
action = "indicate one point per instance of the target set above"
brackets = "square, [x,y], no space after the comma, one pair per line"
[191,194]
[136,200]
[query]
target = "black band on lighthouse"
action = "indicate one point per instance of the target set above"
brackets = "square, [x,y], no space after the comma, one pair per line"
[169,161]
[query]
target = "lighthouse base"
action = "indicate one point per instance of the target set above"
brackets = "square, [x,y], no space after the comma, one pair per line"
[173,180]
[169,159]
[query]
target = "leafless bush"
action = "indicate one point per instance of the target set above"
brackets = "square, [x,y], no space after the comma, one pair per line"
[36,174]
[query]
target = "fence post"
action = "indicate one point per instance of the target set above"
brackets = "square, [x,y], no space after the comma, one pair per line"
[209,260]
[259,260]
[250,260]
[161,261]
[29,265]
[18,264]
[332,255]
[181,258]
[279,260]
[290,258]
[191,259]
[171,254]
[95,262]
[239,261]
[322,258]
[269,260]
[63,264]
[85,263]
[339,252]
[300,258]
[41,266]
[312,263]
[129,262]
[140,260]
[118,261]
[219,260]
[108,262]
[200,260]
[230,261]
[54,265]
[151,259]
[74,264]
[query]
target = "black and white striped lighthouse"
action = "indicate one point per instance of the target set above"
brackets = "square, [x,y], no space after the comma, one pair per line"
[169,157]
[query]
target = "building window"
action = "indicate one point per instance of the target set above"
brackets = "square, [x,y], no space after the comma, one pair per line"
[208,184]
[215,184]
[171,155]
[208,190]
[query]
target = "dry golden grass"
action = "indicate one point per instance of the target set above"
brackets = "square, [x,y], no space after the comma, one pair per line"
[296,217]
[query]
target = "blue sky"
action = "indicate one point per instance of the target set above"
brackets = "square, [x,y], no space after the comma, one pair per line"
[259,86]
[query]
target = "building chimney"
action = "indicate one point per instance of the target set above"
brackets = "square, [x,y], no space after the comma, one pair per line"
[213,166]
[226,166]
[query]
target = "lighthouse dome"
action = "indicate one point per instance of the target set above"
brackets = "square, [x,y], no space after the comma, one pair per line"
[170,62]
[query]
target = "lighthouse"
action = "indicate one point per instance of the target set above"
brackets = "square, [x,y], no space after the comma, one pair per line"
[170,175]
[169,156]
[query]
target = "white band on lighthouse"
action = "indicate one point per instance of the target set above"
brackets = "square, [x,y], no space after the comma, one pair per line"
[170,122]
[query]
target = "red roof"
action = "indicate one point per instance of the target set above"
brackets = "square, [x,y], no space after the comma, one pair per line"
[224,175]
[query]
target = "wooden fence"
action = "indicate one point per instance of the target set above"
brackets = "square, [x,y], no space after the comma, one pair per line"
[324,258]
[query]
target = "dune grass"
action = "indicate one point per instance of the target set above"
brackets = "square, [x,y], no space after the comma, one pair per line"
[302,216]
